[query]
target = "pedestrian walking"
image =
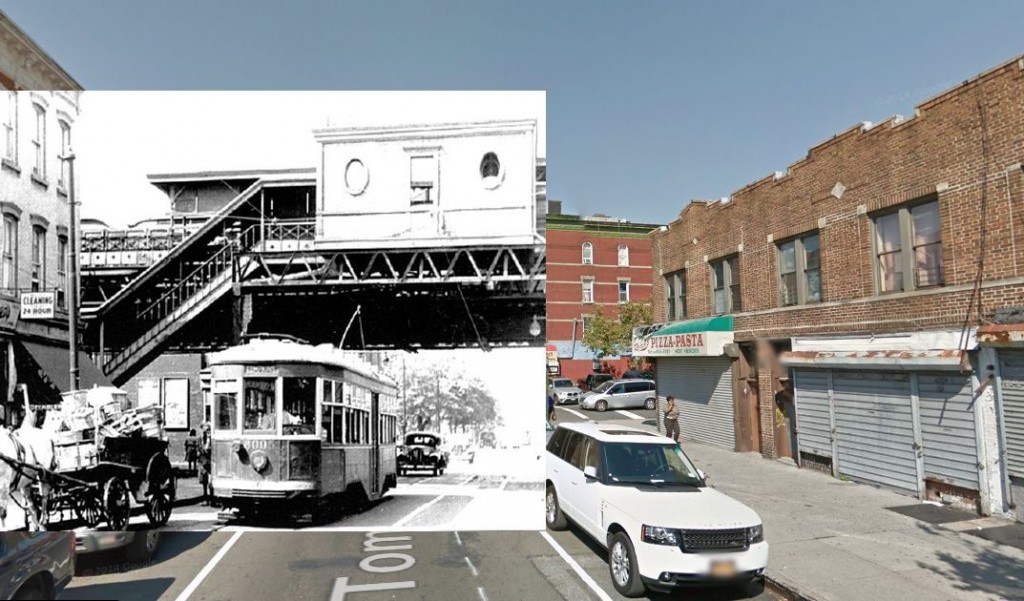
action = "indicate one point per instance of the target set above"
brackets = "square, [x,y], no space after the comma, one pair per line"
[192,451]
[551,409]
[671,418]
[204,455]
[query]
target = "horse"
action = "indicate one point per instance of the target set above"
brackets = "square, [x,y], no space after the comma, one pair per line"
[33,450]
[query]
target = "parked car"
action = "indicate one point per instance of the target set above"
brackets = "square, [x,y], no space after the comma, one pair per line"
[564,391]
[137,546]
[36,565]
[621,394]
[422,451]
[595,380]
[637,494]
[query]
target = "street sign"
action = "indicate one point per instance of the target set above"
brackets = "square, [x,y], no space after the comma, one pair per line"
[38,305]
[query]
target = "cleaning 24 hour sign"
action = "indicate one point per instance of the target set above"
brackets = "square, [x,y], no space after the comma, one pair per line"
[38,305]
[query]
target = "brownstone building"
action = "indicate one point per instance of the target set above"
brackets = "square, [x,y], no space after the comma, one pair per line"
[849,291]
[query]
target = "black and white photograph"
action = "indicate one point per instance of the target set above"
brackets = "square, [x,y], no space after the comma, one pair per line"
[315,310]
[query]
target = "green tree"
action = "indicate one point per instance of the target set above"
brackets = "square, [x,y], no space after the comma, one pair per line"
[613,336]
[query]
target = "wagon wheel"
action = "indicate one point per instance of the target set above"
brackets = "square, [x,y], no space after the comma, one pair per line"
[117,503]
[89,509]
[160,500]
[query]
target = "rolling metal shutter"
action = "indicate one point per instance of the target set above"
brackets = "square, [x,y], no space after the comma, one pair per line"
[702,387]
[948,433]
[875,428]
[813,412]
[1011,368]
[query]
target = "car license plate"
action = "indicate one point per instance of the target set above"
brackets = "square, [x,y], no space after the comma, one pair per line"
[723,569]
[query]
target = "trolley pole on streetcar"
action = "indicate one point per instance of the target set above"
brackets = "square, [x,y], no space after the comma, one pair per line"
[72,286]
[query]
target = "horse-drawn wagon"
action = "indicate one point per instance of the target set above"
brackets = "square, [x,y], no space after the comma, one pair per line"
[104,457]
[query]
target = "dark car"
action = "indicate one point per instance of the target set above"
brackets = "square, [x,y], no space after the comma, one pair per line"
[138,546]
[595,380]
[36,565]
[422,451]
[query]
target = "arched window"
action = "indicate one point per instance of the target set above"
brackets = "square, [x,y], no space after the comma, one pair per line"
[588,253]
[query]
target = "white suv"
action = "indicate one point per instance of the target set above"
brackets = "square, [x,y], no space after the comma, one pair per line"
[639,495]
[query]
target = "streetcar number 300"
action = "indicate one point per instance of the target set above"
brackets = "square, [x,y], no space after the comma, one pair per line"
[258,445]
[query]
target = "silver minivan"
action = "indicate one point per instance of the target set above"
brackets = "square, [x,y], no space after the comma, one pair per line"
[621,394]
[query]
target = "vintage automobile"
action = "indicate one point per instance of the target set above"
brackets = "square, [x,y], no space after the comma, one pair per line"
[422,451]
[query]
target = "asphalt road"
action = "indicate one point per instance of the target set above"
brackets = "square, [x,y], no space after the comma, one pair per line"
[574,413]
[362,566]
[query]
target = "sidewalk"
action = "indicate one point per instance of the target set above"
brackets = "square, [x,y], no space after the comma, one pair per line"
[837,541]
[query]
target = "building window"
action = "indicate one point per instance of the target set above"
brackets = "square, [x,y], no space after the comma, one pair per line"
[38,258]
[725,285]
[588,290]
[62,269]
[423,179]
[800,271]
[588,253]
[584,320]
[11,128]
[65,149]
[39,142]
[909,241]
[623,255]
[10,246]
[623,291]
[675,295]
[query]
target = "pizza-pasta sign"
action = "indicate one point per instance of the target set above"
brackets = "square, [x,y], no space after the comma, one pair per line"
[702,338]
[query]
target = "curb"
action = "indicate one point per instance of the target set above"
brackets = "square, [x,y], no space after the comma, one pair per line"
[787,591]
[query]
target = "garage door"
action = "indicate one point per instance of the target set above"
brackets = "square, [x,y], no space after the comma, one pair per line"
[948,434]
[812,412]
[875,428]
[702,387]
[1011,368]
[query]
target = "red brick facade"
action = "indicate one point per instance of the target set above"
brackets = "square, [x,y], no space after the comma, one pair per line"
[964,148]
[566,235]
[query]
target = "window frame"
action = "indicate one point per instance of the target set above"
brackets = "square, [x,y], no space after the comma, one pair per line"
[9,255]
[800,270]
[587,253]
[587,284]
[623,257]
[62,270]
[434,158]
[675,297]
[11,129]
[731,284]
[39,142]
[37,281]
[619,290]
[907,259]
[65,147]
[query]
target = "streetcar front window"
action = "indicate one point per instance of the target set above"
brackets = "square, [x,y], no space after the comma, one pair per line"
[227,411]
[260,411]
[299,406]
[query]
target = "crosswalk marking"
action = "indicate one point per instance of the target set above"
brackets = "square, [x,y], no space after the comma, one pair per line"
[628,414]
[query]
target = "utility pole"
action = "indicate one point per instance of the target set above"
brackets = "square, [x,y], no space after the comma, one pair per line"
[73,264]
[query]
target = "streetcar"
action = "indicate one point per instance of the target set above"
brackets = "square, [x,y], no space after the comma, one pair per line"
[300,429]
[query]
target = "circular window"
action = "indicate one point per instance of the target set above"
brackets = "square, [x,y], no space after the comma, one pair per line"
[356,177]
[491,171]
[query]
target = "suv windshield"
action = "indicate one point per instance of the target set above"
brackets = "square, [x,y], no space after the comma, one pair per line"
[564,383]
[639,463]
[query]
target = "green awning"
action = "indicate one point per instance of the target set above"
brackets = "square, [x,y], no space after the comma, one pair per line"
[721,323]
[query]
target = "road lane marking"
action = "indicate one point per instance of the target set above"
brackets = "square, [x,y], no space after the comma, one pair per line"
[466,481]
[480,591]
[416,512]
[472,567]
[584,576]
[576,413]
[628,414]
[458,539]
[191,588]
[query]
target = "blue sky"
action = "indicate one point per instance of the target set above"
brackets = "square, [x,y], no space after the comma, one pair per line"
[649,104]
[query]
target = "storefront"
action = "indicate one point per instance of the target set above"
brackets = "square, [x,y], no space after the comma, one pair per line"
[898,411]
[1007,341]
[692,365]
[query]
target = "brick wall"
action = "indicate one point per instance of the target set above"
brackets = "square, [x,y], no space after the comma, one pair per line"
[964,148]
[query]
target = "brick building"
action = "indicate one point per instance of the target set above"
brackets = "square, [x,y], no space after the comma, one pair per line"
[830,313]
[592,262]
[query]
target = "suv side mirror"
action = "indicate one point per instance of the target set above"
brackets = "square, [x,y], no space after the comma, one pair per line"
[590,472]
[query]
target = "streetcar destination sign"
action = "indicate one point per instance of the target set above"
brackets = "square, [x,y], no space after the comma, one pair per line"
[38,305]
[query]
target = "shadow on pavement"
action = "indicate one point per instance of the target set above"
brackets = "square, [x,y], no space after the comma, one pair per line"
[114,561]
[986,570]
[135,590]
[704,593]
